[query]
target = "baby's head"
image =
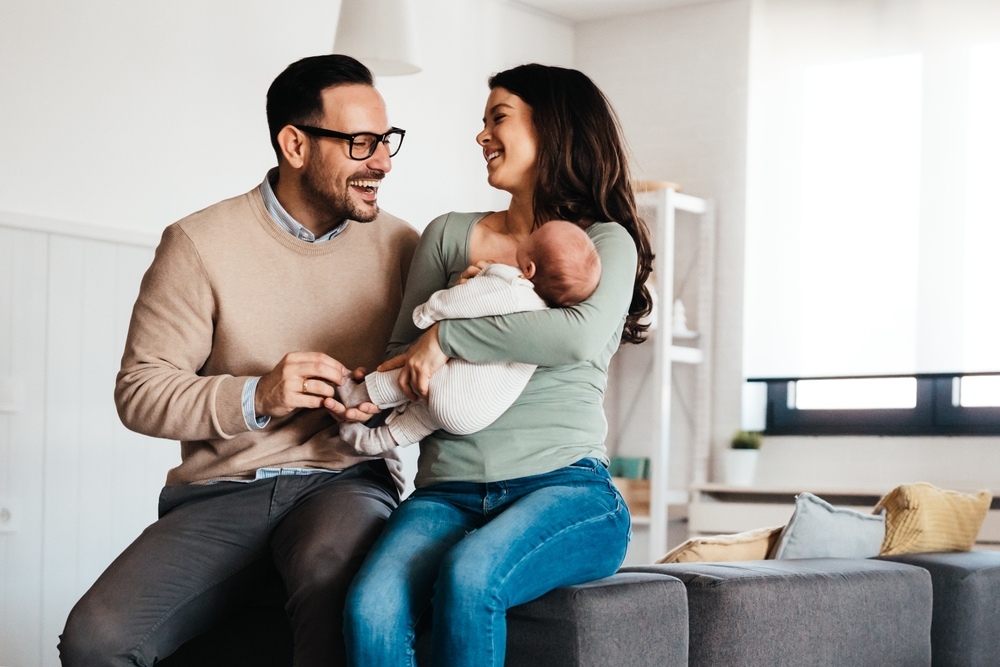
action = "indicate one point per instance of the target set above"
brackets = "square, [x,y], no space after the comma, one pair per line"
[562,263]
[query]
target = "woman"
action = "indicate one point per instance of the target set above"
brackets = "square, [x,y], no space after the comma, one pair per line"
[504,515]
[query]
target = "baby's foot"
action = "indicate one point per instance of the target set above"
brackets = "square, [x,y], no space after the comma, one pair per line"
[367,441]
[352,393]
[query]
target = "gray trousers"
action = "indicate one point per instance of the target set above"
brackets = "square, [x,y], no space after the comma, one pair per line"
[208,551]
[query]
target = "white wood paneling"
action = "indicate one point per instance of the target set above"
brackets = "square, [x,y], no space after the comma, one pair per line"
[83,487]
[23,274]
[61,497]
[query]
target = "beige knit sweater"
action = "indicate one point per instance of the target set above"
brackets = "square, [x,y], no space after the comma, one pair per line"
[228,294]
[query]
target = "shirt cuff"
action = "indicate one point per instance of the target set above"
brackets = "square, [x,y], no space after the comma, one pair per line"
[254,423]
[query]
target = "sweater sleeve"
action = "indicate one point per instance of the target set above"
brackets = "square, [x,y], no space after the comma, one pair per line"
[159,391]
[556,336]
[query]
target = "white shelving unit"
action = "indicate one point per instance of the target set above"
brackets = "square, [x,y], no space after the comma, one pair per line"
[659,206]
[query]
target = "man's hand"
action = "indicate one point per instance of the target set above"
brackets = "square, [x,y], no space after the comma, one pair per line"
[419,363]
[300,380]
[473,271]
[361,413]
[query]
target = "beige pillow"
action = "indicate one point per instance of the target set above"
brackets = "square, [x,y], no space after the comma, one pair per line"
[751,545]
[923,518]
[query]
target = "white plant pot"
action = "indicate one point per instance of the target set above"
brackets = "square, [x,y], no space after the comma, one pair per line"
[739,466]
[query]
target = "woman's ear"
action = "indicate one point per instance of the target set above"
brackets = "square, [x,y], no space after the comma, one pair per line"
[294,146]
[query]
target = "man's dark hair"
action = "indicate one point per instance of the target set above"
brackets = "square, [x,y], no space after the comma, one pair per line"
[295,96]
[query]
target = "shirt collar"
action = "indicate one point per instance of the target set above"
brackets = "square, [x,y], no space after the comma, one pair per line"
[287,222]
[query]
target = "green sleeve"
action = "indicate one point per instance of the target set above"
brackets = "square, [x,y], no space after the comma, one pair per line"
[430,270]
[557,336]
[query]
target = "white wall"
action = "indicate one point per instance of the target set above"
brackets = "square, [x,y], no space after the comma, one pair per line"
[678,80]
[136,114]
[869,463]
[440,167]
[79,485]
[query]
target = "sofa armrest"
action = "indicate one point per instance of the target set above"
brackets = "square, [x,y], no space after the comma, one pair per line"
[633,620]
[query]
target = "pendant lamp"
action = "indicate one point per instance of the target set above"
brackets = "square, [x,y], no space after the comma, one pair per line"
[380,33]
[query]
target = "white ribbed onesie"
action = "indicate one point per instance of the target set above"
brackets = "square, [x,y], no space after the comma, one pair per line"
[464,397]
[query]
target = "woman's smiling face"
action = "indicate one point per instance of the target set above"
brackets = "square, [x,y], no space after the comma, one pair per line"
[509,143]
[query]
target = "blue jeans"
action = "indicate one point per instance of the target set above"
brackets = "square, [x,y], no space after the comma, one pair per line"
[476,550]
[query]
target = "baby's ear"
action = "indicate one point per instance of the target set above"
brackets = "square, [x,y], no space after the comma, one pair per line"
[529,270]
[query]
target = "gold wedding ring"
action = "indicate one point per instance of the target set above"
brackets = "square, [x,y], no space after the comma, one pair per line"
[304,390]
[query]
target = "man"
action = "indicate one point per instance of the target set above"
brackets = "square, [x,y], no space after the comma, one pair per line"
[303,262]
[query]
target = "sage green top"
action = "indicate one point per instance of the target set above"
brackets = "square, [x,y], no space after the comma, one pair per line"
[559,417]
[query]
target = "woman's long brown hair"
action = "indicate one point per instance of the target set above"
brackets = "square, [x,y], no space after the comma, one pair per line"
[583,172]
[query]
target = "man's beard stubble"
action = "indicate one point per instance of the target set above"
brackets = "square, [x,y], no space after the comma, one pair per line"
[336,203]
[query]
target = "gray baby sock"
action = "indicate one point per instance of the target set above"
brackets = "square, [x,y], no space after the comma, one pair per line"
[352,394]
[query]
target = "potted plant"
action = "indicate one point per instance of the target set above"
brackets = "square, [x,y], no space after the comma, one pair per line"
[740,460]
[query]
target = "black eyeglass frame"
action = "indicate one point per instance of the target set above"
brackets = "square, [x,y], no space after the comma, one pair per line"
[379,138]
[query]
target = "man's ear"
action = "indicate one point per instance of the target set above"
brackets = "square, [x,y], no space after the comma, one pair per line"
[294,146]
[529,271]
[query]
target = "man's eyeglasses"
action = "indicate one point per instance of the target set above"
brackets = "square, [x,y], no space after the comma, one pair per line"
[363,144]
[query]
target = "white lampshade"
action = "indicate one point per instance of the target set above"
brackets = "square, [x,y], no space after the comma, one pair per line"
[380,33]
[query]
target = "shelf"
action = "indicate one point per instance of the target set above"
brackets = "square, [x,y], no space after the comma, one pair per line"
[659,205]
[754,494]
[686,355]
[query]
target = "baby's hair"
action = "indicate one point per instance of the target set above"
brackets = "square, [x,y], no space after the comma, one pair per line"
[567,266]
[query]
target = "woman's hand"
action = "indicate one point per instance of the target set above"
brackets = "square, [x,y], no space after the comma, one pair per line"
[419,363]
[473,271]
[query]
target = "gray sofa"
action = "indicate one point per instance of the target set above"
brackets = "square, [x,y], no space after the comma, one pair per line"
[965,631]
[907,611]
[804,613]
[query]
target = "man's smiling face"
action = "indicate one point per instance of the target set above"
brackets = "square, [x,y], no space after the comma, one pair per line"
[334,182]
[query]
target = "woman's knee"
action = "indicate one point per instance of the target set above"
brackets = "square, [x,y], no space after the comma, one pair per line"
[466,578]
[375,609]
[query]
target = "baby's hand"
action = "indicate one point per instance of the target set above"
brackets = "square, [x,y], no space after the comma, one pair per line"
[473,271]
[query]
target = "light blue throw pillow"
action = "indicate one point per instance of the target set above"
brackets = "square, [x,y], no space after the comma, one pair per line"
[817,529]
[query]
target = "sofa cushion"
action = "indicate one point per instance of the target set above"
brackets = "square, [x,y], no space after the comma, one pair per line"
[923,518]
[627,619]
[805,613]
[817,529]
[751,545]
[964,630]
[632,620]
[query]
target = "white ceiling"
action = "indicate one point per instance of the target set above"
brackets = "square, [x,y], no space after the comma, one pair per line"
[587,10]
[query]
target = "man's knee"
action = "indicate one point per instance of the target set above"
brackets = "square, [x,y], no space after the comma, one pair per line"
[95,635]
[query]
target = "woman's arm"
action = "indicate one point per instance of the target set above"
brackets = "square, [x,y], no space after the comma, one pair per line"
[558,336]
[429,272]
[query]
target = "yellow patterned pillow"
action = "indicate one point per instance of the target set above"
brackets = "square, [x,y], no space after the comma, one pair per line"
[923,518]
[751,545]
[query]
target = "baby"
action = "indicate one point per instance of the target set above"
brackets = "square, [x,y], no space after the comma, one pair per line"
[557,266]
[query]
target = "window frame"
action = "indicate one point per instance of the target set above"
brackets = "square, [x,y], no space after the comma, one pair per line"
[934,413]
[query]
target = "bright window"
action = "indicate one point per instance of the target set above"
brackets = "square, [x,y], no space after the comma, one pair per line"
[982,221]
[853,394]
[857,282]
[979,391]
